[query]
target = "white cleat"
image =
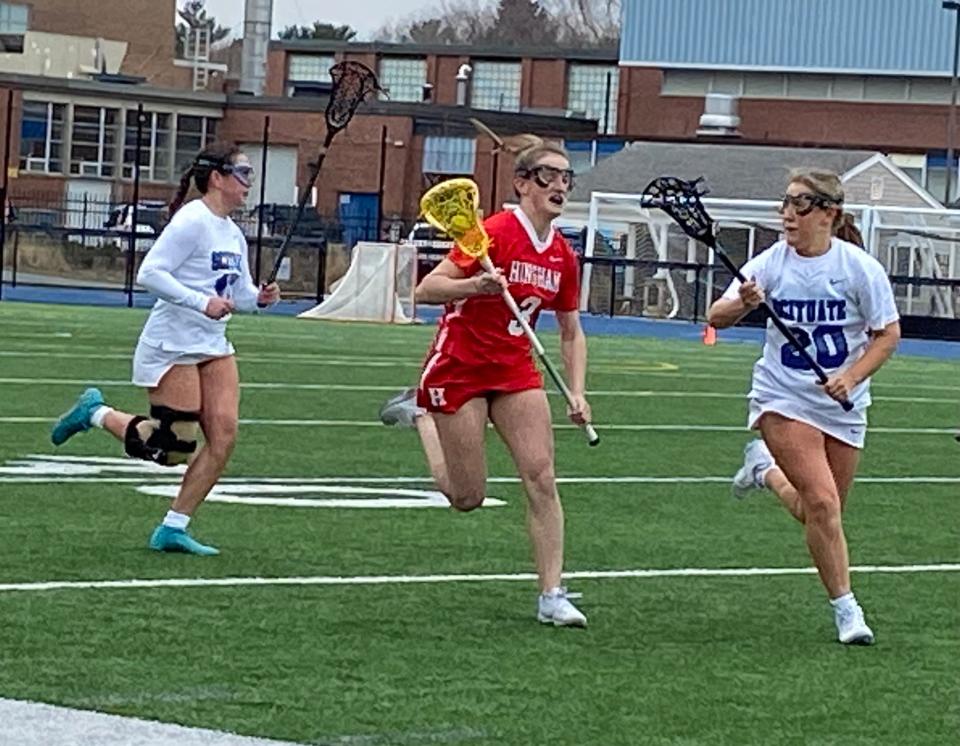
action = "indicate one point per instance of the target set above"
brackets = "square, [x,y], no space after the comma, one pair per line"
[852,628]
[554,607]
[401,410]
[757,459]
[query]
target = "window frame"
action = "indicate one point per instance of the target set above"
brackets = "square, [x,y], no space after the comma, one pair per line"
[496,83]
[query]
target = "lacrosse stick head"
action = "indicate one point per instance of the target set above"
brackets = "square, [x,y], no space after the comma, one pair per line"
[352,83]
[452,206]
[681,201]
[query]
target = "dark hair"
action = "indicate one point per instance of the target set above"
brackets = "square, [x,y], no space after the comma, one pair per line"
[847,230]
[208,160]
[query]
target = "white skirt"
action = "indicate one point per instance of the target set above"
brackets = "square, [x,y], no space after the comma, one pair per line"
[847,427]
[151,362]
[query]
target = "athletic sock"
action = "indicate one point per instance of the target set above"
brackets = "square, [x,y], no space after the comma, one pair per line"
[99,414]
[173,519]
[844,601]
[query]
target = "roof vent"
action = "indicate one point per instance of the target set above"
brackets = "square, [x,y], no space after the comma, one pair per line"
[719,116]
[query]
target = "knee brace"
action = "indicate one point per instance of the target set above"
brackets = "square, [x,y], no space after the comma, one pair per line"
[168,437]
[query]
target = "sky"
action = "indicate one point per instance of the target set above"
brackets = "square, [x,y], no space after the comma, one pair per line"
[363,15]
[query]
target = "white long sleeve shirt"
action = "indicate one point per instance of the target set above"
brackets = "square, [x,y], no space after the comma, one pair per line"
[198,256]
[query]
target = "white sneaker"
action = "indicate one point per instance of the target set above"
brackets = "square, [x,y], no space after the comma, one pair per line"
[554,607]
[852,628]
[401,410]
[757,459]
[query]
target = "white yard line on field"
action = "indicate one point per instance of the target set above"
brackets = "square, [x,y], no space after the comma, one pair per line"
[35,468]
[556,426]
[338,580]
[36,724]
[292,386]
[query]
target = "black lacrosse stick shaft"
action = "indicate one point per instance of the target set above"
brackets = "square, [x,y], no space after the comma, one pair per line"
[301,207]
[681,201]
[353,82]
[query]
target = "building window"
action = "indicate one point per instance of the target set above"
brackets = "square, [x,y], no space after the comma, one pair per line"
[13,26]
[41,137]
[193,135]
[585,154]
[936,176]
[310,67]
[93,149]
[403,77]
[154,146]
[592,90]
[451,156]
[496,85]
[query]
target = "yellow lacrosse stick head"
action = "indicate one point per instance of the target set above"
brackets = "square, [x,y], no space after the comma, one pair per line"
[452,206]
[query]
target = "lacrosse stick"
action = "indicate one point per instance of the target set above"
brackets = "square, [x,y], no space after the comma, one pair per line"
[451,206]
[681,201]
[511,144]
[352,83]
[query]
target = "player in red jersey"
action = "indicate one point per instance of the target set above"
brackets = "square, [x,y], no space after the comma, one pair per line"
[479,367]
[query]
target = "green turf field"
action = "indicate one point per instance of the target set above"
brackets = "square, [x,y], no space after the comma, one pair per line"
[669,658]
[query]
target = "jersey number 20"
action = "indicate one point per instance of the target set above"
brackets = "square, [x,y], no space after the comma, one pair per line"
[830,344]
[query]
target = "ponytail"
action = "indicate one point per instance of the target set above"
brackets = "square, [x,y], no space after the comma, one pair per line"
[208,160]
[177,202]
[847,230]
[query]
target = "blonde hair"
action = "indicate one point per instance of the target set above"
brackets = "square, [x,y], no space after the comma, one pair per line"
[527,148]
[827,184]
[532,150]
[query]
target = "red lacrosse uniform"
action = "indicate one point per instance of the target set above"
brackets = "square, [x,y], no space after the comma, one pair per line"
[479,347]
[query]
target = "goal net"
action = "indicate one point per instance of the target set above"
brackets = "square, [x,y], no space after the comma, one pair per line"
[378,286]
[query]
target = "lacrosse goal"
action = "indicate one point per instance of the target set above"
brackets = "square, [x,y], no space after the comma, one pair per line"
[378,286]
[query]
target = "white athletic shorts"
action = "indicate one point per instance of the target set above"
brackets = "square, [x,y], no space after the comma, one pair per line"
[848,427]
[151,362]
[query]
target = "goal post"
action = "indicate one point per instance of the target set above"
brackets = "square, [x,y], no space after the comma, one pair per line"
[378,286]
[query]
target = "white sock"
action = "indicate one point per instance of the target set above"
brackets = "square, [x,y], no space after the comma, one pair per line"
[96,419]
[173,519]
[844,601]
[763,475]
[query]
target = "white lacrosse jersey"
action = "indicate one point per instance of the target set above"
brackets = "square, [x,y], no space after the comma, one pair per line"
[198,255]
[830,302]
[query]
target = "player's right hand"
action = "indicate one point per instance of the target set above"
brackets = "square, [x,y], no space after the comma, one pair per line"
[751,294]
[218,307]
[490,283]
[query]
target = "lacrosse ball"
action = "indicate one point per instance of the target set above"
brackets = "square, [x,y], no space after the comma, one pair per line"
[460,223]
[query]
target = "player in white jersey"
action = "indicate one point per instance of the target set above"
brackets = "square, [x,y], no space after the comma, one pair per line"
[199,271]
[838,301]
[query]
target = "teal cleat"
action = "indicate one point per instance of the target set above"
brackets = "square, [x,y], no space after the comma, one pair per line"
[167,539]
[77,418]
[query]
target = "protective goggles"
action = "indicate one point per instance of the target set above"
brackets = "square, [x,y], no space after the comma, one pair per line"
[804,204]
[544,176]
[242,172]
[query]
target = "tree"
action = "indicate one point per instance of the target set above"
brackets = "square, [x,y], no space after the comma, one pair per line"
[568,23]
[433,31]
[521,22]
[592,23]
[319,30]
[451,22]
[194,16]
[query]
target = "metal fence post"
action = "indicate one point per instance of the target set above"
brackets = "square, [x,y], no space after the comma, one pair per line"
[135,216]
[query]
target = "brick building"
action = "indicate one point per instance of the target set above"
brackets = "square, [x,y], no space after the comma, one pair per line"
[78,78]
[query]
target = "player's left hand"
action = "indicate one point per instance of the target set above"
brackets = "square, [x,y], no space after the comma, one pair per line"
[579,413]
[840,386]
[268,295]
